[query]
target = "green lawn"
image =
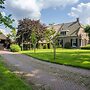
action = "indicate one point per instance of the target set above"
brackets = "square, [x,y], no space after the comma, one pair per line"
[72,57]
[9,81]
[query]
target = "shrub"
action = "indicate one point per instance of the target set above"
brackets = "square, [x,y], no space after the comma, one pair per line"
[67,45]
[40,46]
[44,46]
[87,47]
[15,48]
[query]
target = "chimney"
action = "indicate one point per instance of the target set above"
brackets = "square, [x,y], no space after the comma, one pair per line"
[77,19]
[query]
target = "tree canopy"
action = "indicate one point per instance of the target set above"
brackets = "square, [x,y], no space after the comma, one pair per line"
[87,30]
[26,27]
[5,20]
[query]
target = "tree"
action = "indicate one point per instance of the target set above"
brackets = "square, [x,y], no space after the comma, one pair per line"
[52,38]
[12,35]
[54,43]
[5,20]
[48,35]
[87,30]
[33,39]
[27,27]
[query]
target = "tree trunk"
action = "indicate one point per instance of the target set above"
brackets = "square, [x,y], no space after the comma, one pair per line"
[34,48]
[54,48]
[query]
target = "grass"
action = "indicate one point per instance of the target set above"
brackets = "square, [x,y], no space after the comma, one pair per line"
[71,57]
[9,81]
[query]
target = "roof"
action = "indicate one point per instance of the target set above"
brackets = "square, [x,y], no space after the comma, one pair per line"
[71,28]
[2,36]
[55,27]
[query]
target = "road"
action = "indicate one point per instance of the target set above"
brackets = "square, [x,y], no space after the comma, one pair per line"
[48,76]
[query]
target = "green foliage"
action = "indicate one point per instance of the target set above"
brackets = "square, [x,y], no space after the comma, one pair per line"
[40,46]
[12,35]
[31,30]
[67,45]
[87,47]
[5,20]
[9,81]
[48,34]
[15,48]
[44,46]
[1,32]
[1,4]
[87,29]
[51,46]
[33,39]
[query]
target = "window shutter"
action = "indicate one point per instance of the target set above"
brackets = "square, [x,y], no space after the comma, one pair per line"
[76,42]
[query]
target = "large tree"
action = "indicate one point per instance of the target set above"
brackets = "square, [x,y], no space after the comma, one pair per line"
[5,20]
[87,30]
[27,27]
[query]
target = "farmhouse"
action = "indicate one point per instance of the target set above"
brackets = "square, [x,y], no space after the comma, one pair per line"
[72,32]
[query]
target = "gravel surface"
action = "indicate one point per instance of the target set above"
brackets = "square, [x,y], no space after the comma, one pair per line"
[47,76]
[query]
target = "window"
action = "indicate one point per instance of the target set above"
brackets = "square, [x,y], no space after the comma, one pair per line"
[74,42]
[60,42]
[63,33]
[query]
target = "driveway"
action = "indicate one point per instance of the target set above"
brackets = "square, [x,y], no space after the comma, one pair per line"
[46,75]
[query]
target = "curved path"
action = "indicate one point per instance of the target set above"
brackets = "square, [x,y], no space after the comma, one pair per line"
[46,75]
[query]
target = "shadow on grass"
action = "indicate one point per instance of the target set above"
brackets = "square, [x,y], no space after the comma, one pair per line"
[79,59]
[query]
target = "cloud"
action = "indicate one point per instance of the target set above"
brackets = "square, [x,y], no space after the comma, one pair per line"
[32,8]
[81,11]
[23,8]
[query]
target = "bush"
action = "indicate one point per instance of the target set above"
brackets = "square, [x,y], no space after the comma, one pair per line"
[87,47]
[15,48]
[40,46]
[44,46]
[67,45]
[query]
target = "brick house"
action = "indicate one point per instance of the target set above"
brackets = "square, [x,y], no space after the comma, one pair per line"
[72,32]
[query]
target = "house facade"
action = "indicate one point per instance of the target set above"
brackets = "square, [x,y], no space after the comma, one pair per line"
[72,33]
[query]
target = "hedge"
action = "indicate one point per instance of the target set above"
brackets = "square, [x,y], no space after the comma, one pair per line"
[87,47]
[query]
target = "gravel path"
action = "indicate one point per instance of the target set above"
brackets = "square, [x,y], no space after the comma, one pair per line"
[48,76]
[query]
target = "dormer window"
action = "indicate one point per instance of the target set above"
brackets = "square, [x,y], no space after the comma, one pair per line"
[63,33]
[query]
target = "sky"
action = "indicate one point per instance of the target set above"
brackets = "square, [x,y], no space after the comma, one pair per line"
[48,11]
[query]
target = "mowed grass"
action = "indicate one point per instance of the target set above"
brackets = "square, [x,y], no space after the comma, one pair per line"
[72,57]
[9,81]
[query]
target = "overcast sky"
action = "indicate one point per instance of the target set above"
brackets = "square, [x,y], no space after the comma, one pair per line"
[48,11]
